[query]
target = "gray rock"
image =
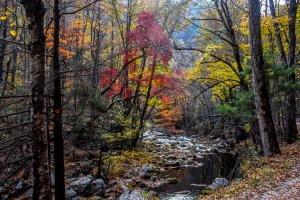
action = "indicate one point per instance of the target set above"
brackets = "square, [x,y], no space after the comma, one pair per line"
[97,188]
[135,172]
[146,175]
[152,194]
[218,183]
[81,184]
[29,193]
[147,168]
[19,185]
[98,182]
[70,193]
[132,195]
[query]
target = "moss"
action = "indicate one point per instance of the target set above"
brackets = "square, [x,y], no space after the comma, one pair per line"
[207,192]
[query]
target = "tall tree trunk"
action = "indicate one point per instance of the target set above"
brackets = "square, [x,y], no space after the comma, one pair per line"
[263,108]
[35,12]
[128,28]
[57,111]
[143,114]
[290,104]
[277,35]
[3,28]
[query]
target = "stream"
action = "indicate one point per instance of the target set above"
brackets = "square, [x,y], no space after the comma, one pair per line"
[199,164]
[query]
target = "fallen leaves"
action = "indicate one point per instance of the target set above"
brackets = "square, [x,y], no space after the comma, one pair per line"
[275,177]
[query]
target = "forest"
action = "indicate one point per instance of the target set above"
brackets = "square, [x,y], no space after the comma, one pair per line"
[149,99]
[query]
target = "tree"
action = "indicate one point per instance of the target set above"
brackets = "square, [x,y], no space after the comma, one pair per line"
[35,12]
[290,107]
[57,110]
[288,61]
[263,108]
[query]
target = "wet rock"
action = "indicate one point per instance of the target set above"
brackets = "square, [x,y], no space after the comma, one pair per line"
[218,183]
[81,184]
[132,195]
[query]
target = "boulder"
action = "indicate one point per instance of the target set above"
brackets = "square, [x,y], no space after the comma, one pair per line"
[81,184]
[218,183]
[97,187]
[132,195]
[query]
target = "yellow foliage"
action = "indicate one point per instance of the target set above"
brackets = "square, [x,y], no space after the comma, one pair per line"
[3,18]
[13,33]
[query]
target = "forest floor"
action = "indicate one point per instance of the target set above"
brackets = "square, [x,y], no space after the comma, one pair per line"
[273,178]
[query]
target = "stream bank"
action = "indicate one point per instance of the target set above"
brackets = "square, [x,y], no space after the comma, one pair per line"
[167,166]
[182,166]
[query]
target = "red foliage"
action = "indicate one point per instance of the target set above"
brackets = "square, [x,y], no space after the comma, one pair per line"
[107,76]
[149,35]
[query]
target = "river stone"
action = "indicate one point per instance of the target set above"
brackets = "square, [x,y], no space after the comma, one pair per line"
[81,184]
[132,195]
[218,183]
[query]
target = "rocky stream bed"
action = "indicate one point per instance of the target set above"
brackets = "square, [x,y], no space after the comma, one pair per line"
[186,166]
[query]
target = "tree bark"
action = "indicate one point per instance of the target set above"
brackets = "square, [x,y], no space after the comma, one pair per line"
[3,28]
[35,12]
[290,104]
[57,111]
[263,108]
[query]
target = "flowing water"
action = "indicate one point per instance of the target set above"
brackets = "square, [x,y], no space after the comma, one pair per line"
[192,179]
